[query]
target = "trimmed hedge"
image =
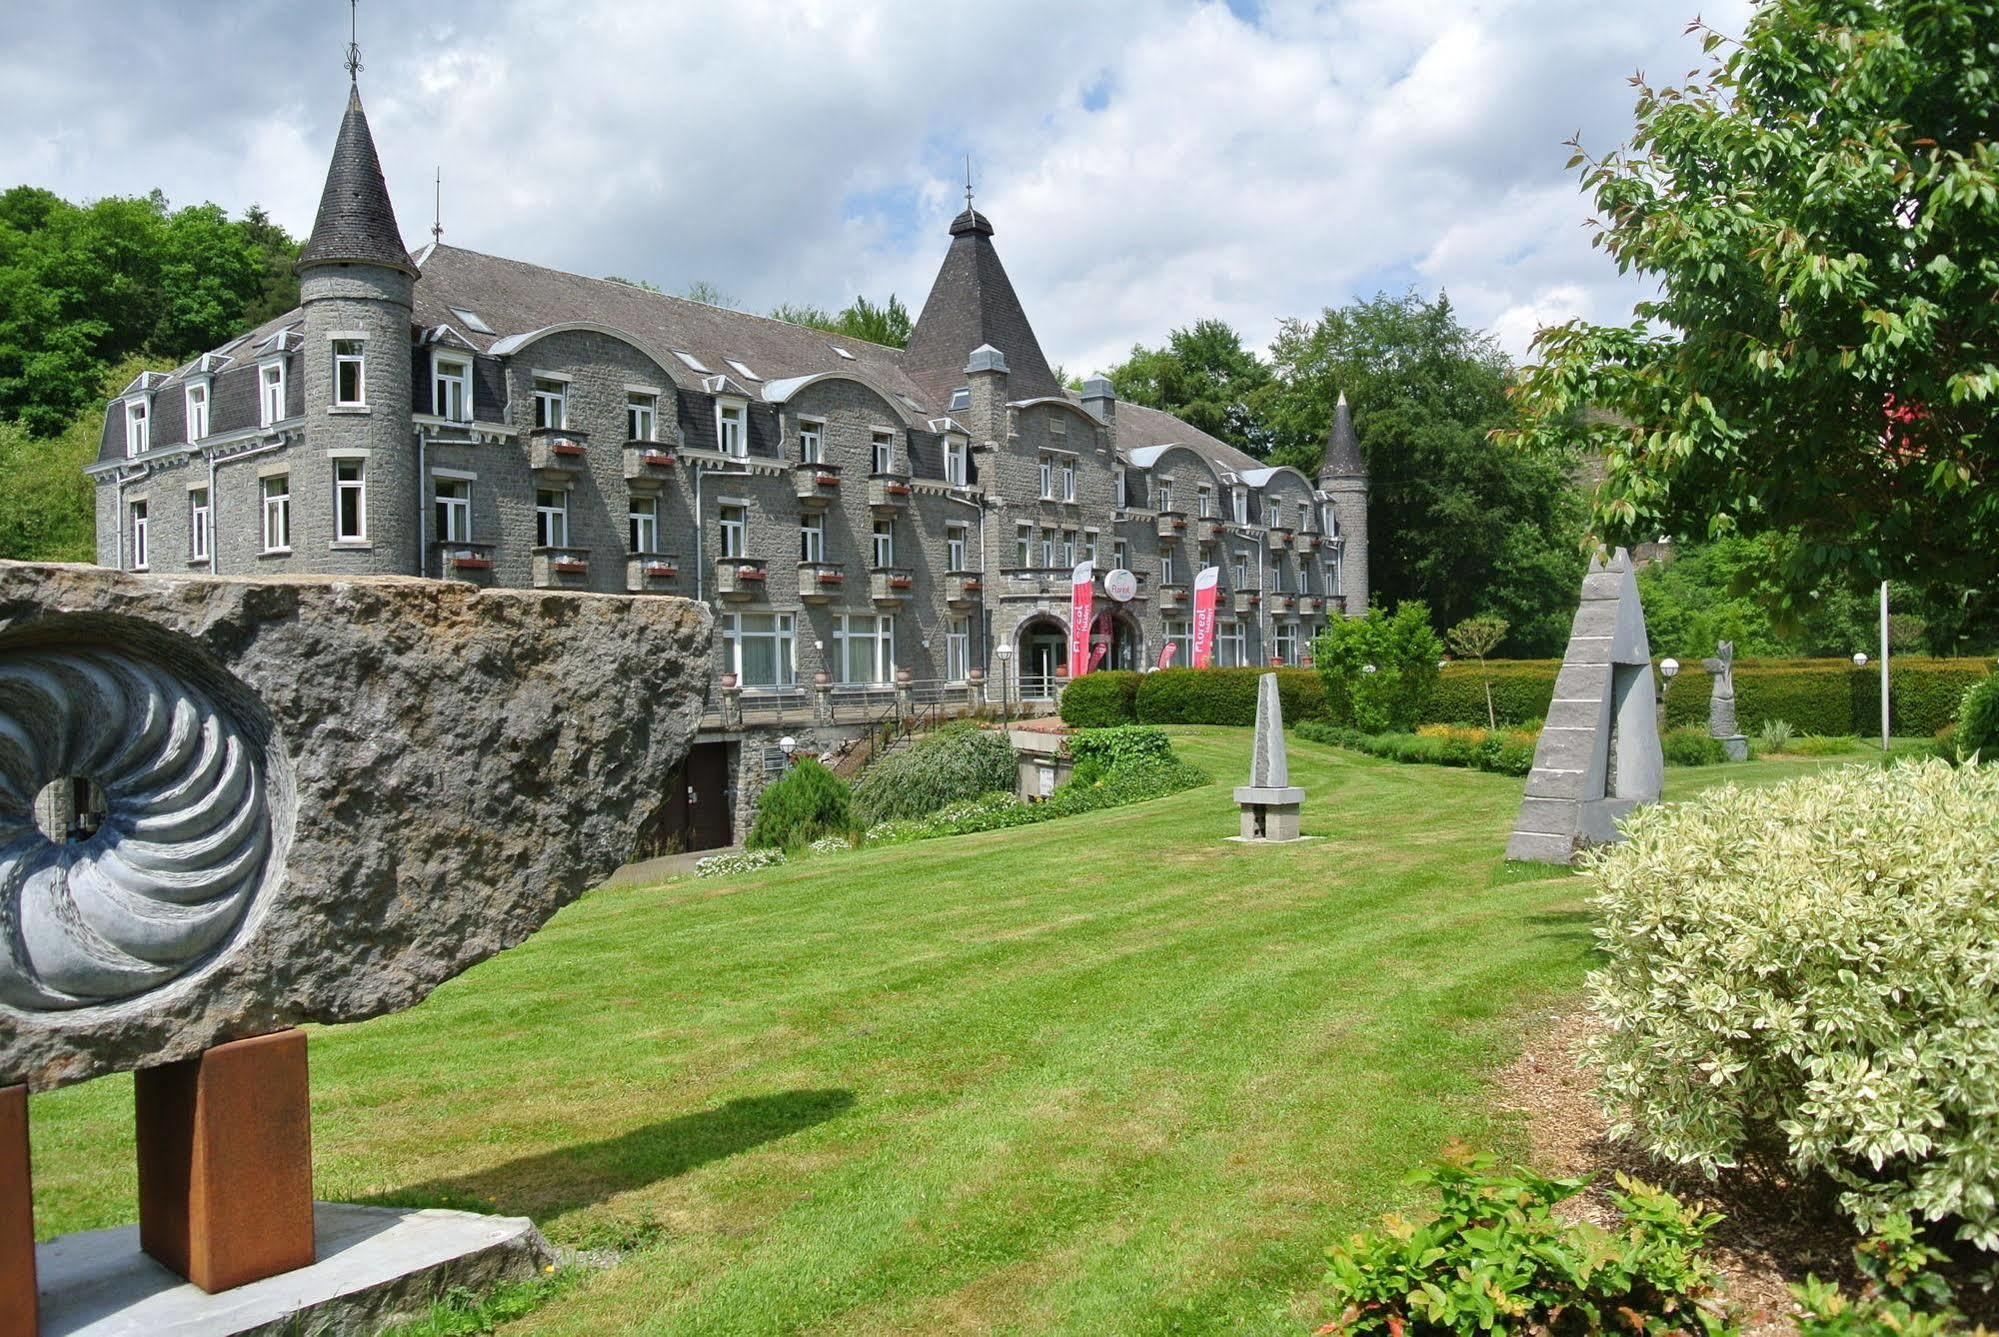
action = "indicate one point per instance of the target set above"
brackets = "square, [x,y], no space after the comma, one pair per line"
[1521,691]
[1831,696]
[1225,695]
[1101,700]
[1478,749]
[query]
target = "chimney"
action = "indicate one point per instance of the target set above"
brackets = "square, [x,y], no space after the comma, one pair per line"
[1099,400]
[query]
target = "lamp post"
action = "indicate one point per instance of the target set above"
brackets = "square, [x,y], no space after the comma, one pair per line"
[1669,669]
[1884,666]
[1005,653]
[787,745]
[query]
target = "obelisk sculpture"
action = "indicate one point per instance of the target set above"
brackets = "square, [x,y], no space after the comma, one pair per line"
[1269,802]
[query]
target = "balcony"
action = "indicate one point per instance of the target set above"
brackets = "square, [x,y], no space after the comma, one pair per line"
[652,573]
[1174,598]
[1305,544]
[1310,605]
[457,560]
[964,589]
[558,453]
[816,485]
[1281,602]
[561,568]
[648,464]
[1244,602]
[890,586]
[1277,540]
[888,494]
[1172,526]
[1209,529]
[820,582]
[740,578]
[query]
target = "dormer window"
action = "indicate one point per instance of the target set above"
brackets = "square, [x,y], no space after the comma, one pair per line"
[451,388]
[138,427]
[1241,505]
[1329,524]
[197,412]
[1206,495]
[551,402]
[270,393]
[641,421]
[883,449]
[811,441]
[957,461]
[1120,485]
[1273,515]
[1165,494]
[350,374]
[730,436]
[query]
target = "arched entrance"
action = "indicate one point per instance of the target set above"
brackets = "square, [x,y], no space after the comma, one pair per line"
[1116,641]
[1040,645]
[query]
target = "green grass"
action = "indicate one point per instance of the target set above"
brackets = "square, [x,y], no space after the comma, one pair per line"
[1102,1074]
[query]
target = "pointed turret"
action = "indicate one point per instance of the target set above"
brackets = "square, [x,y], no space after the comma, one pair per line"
[1343,458]
[356,222]
[1343,484]
[972,305]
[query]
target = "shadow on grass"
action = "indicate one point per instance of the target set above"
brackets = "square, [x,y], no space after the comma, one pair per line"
[1577,926]
[566,1178]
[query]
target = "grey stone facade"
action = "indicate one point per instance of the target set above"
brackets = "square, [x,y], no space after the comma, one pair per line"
[981,559]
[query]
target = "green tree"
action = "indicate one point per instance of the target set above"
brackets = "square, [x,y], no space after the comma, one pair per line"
[804,313]
[1203,376]
[1454,521]
[1379,670]
[888,324]
[1475,638]
[1819,210]
[45,499]
[701,290]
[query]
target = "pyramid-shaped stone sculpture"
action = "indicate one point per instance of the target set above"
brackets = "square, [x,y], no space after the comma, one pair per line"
[1269,802]
[1599,753]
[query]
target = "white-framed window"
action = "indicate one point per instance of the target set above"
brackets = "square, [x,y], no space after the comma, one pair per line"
[138,427]
[350,374]
[551,517]
[1241,496]
[141,549]
[1121,554]
[454,510]
[735,530]
[641,416]
[1232,642]
[451,388]
[957,461]
[1023,546]
[1179,634]
[762,648]
[864,648]
[1240,578]
[1069,548]
[730,436]
[350,500]
[197,412]
[1336,583]
[199,524]
[270,393]
[1205,497]
[1089,547]
[1304,577]
[1284,643]
[551,402]
[277,513]
[1273,515]
[1068,480]
[643,517]
[1280,574]
[1047,466]
[1165,494]
[955,546]
[1120,487]
[881,452]
[1329,521]
[1169,570]
[957,649]
[812,538]
[1048,541]
[883,543]
[811,441]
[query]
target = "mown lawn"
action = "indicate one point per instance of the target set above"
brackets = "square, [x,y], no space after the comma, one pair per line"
[1105,1074]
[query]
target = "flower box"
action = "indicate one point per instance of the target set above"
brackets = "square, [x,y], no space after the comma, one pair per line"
[661,571]
[572,449]
[464,561]
[569,566]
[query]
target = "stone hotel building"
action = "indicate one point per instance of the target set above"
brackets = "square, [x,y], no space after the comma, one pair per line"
[875,528]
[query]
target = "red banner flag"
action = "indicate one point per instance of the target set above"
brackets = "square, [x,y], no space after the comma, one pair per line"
[1166,655]
[1206,587]
[1082,594]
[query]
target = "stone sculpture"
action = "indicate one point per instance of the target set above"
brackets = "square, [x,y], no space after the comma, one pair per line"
[1269,802]
[1599,754]
[1721,703]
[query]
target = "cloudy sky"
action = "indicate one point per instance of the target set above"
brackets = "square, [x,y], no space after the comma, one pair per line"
[1145,163]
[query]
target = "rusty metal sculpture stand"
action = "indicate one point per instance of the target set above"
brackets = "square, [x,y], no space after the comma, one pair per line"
[225,1161]
[17,1216]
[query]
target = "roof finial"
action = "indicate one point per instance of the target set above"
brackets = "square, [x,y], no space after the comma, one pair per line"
[968,183]
[437,209]
[353,43]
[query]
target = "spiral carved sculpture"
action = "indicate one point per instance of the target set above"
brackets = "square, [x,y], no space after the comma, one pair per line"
[180,854]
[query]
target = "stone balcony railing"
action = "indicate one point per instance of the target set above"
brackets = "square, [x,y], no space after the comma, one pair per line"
[1278,601]
[741,578]
[1244,602]
[1304,544]
[817,486]
[888,493]
[648,464]
[560,568]
[1278,540]
[1209,529]
[890,586]
[558,452]
[455,559]
[652,573]
[1172,526]
[820,582]
[1174,598]
[964,589]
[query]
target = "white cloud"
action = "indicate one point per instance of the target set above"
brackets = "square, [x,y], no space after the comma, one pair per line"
[808,151]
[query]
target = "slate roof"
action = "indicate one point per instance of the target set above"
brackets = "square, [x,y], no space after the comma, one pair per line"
[1138,427]
[1343,457]
[971,303]
[355,221]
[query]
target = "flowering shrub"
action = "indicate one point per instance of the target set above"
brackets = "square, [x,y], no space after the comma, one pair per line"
[737,861]
[1900,1294]
[1507,752]
[831,845]
[1813,969]
[957,762]
[1495,1258]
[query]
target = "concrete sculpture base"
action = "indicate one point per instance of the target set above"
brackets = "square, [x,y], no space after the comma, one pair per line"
[377,1265]
[1268,813]
[1735,747]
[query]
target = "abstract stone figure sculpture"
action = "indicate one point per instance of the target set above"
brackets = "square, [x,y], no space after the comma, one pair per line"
[321,797]
[1721,703]
[1599,753]
[1269,802]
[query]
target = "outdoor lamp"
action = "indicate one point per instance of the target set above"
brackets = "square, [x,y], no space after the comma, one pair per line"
[1860,659]
[1669,668]
[788,743]
[1003,651]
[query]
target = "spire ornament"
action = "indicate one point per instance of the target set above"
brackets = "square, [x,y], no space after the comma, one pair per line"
[353,60]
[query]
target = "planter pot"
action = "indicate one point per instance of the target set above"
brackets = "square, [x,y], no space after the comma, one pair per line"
[728,681]
[822,678]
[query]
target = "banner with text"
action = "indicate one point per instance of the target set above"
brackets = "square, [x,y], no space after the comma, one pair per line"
[1082,595]
[1206,586]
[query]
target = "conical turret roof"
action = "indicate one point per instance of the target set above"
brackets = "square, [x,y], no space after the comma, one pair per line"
[356,223]
[1343,457]
[972,303]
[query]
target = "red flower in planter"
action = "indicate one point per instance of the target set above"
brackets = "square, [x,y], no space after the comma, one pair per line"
[899,582]
[661,458]
[662,570]
[749,573]
[567,447]
[831,577]
[572,568]
[827,480]
[472,563]
[897,489]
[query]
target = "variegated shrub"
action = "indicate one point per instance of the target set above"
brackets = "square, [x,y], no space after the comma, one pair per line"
[1812,970]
